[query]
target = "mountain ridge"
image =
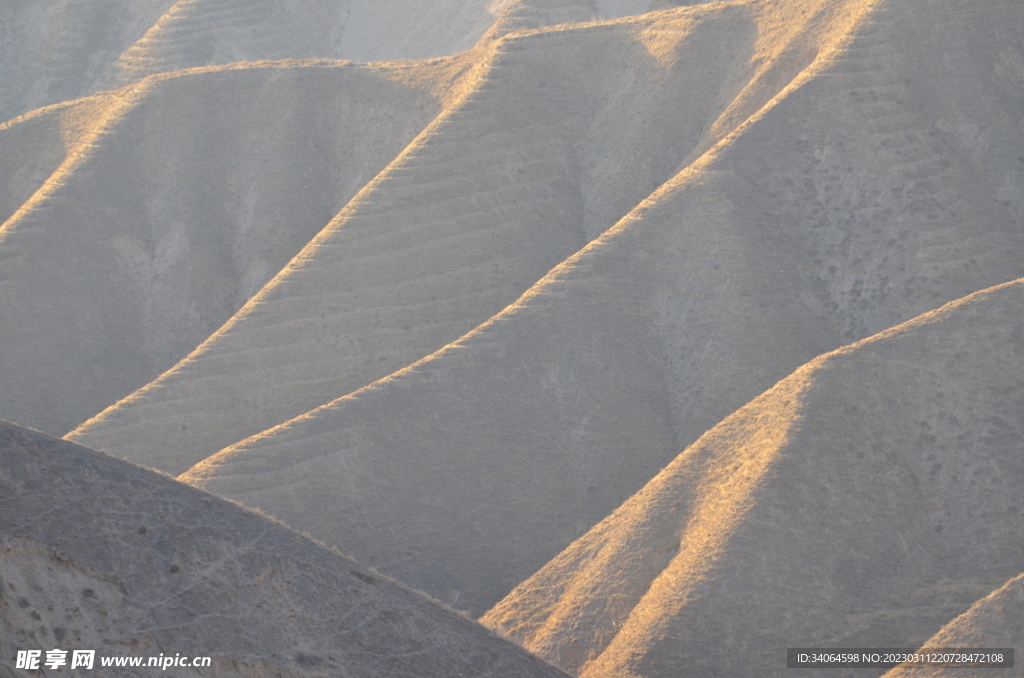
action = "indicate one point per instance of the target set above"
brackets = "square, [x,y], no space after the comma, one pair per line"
[742,545]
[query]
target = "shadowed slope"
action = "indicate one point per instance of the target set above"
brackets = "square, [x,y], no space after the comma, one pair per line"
[501,188]
[744,266]
[100,554]
[997,620]
[144,218]
[861,502]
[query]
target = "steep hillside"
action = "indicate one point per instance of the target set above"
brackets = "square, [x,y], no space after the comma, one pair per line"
[135,223]
[98,554]
[513,179]
[861,502]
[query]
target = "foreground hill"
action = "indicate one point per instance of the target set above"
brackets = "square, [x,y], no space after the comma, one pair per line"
[863,501]
[99,554]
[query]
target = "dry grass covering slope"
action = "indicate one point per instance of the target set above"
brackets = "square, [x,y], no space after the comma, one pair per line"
[861,502]
[99,554]
[995,621]
[136,222]
[828,198]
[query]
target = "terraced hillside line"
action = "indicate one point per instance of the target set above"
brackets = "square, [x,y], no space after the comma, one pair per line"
[170,205]
[861,502]
[995,621]
[482,205]
[99,554]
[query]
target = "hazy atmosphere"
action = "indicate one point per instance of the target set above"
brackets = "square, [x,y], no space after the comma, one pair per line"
[600,338]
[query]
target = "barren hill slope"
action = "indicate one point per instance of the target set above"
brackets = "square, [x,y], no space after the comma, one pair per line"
[832,213]
[99,554]
[135,223]
[514,178]
[995,621]
[861,502]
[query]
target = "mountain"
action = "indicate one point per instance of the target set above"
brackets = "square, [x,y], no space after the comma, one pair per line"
[102,555]
[518,176]
[719,223]
[863,501]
